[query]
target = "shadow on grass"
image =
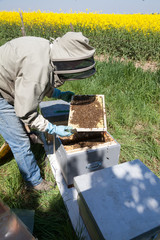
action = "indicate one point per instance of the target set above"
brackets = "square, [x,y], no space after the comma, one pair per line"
[51,219]
[8,157]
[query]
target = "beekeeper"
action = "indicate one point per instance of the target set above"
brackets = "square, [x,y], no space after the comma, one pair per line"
[31,68]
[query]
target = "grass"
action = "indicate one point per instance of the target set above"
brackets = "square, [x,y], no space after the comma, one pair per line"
[51,218]
[132,99]
[135,45]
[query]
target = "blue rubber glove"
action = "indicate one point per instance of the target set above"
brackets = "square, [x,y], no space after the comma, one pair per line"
[62,131]
[56,93]
[65,96]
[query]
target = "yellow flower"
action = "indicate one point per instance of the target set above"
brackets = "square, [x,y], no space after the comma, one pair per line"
[137,22]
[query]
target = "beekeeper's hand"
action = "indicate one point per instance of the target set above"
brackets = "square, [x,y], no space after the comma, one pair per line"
[62,131]
[65,96]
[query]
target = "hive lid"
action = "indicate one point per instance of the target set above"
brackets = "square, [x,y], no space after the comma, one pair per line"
[123,200]
[87,113]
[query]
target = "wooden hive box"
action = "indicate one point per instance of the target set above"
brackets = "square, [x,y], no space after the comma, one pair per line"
[85,156]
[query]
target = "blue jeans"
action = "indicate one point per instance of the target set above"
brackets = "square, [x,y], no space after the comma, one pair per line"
[12,130]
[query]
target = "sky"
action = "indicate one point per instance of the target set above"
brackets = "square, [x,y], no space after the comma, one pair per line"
[102,6]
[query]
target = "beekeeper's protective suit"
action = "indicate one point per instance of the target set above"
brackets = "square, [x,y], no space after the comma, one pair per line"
[31,68]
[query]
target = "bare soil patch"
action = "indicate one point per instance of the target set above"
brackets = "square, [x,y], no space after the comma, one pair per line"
[148,65]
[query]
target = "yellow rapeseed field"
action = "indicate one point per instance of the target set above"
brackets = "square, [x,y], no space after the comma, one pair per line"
[143,22]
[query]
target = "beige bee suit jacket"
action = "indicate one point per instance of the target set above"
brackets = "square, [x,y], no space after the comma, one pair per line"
[24,77]
[27,75]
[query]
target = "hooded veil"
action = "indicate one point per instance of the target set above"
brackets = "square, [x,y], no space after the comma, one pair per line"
[72,58]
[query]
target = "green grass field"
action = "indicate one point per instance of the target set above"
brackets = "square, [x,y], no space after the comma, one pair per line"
[132,99]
